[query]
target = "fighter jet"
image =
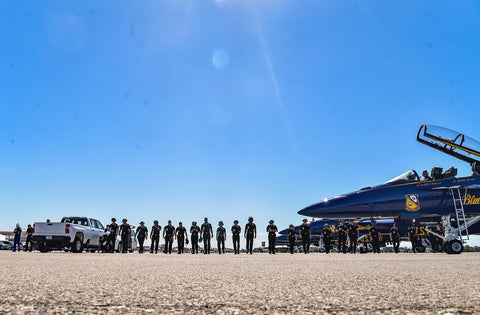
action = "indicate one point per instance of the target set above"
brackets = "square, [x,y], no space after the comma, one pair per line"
[452,201]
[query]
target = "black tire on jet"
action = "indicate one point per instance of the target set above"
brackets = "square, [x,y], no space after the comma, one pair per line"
[454,247]
[77,246]
[420,249]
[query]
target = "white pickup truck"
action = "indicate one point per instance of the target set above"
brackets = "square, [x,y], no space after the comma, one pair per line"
[74,233]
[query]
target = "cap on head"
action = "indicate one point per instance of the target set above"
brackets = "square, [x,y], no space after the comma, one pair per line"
[169,221]
[194,223]
[220,222]
[236,221]
[291,225]
[114,220]
[141,222]
[155,222]
[180,223]
[305,220]
[271,221]
[326,224]
[206,219]
[124,220]
[250,219]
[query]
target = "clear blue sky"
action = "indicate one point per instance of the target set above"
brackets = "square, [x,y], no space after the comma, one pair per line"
[184,109]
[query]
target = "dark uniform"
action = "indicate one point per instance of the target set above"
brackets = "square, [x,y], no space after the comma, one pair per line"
[194,231]
[112,237]
[125,232]
[375,239]
[250,231]
[305,233]
[395,236]
[292,236]
[168,234]
[433,239]
[141,234]
[221,234]
[353,237]
[181,231]
[16,240]
[236,230]
[272,237]
[29,238]
[342,238]
[206,235]
[327,238]
[413,237]
[155,236]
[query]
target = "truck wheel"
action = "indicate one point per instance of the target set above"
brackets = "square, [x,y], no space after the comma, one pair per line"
[454,247]
[43,248]
[77,246]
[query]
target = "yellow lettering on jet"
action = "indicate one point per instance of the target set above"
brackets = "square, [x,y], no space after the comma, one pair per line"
[470,200]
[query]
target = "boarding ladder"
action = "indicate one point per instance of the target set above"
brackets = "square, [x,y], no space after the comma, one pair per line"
[459,211]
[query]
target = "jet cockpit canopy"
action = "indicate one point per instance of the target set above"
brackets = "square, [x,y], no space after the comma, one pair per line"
[410,176]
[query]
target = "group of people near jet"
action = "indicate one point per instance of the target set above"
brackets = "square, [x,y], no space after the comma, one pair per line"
[203,233]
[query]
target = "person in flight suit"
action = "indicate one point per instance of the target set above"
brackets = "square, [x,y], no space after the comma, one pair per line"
[112,237]
[272,236]
[342,237]
[395,237]
[181,234]
[375,238]
[432,238]
[155,236]
[413,236]
[207,235]
[221,235]
[326,237]
[125,232]
[250,234]
[292,237]
[305,233]
[194,231]
[140,235]
[236,230]
[168,235]
[17,232]
[353,236]
[30,231]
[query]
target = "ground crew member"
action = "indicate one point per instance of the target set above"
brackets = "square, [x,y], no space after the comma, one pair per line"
[168,235]
[342,237]
[272,236]
[292,237]
[439,239]
[305,233]
[413,236]
[395,237]
[353,236]
[155,236]
[432,238]
[326,237]
[375,238]
[207,235]
[181,234]
[17,232]
[250,234]
[29,238]
[140,235]
[194,231]
[221,236]
[125,232]
[236,230]
[112,237]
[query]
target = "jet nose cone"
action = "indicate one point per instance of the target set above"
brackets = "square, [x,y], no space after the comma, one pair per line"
[312,210]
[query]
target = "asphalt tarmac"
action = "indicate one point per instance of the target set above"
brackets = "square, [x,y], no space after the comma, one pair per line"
[239,284]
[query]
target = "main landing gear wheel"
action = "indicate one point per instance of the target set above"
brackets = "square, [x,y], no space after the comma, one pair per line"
[454,247]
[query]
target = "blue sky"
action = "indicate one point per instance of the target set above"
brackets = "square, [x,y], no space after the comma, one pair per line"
[185,109]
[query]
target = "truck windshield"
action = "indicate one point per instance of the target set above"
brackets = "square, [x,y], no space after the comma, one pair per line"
[80,221]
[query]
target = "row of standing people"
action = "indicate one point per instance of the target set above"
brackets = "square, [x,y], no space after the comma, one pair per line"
[203,233]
